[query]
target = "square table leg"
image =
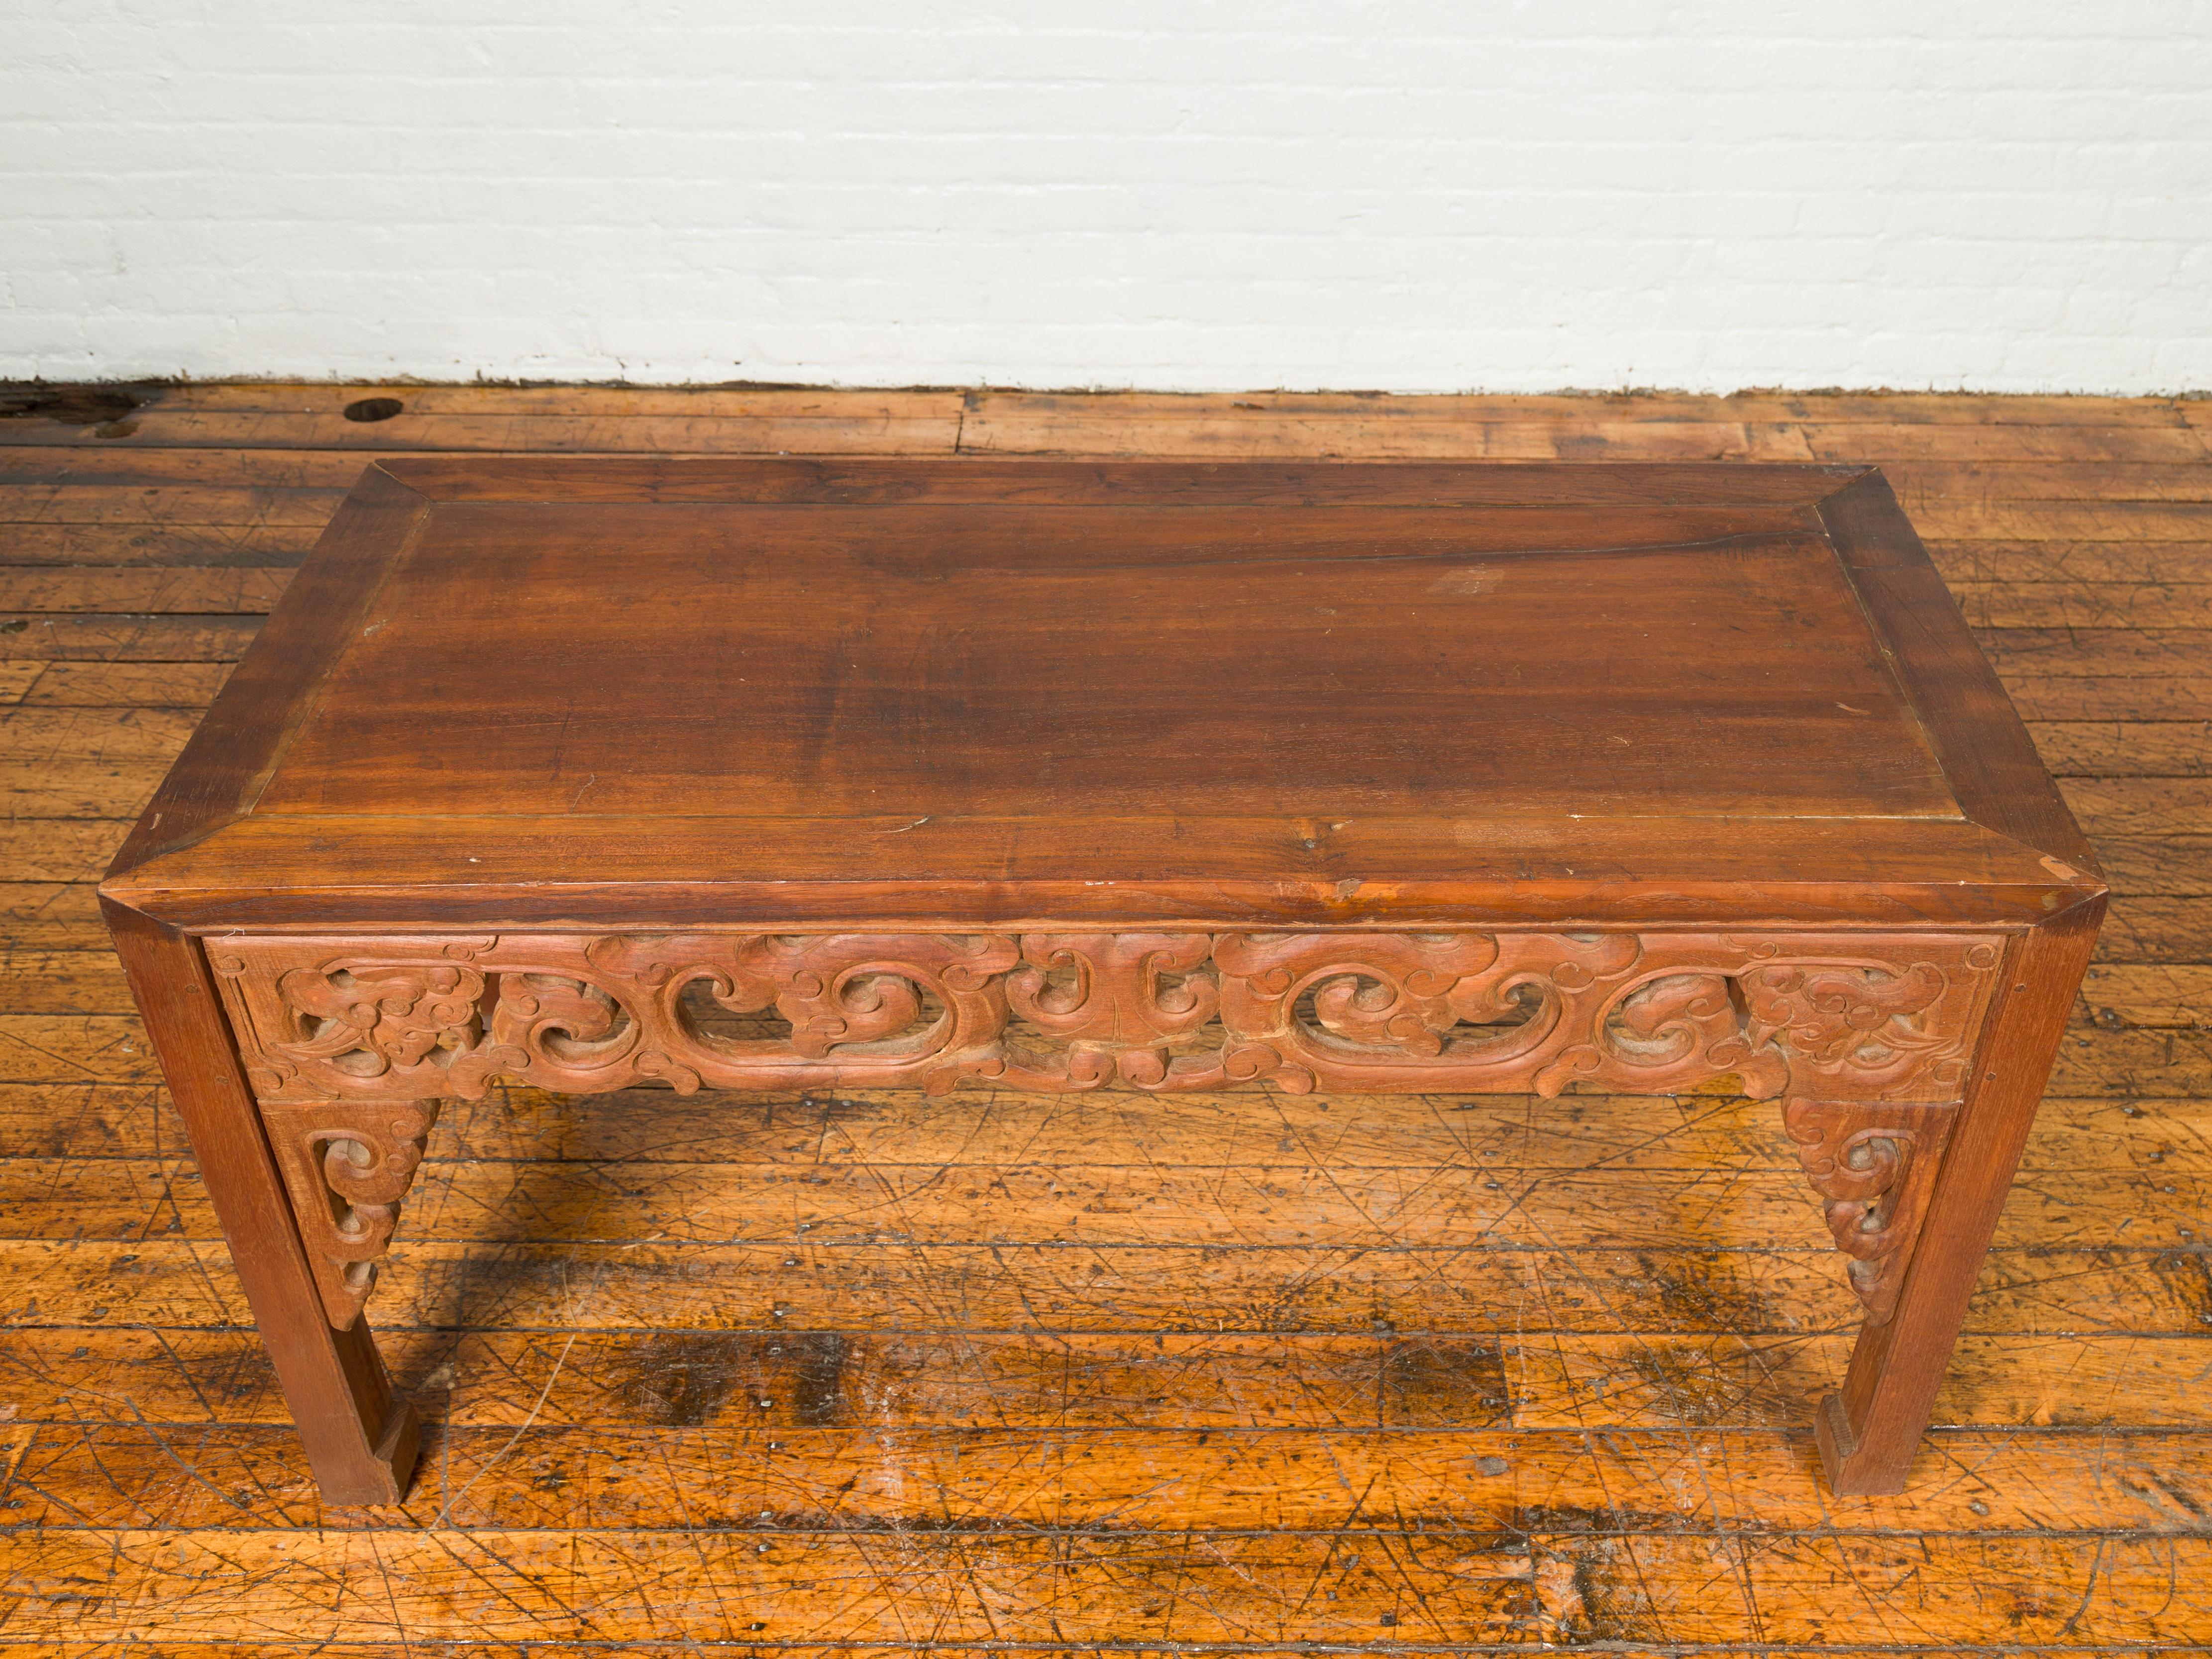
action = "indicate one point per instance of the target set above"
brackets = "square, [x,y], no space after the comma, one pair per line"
[361,1436]
[1869,1431]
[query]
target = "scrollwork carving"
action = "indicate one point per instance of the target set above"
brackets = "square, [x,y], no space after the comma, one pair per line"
[381,1022]
[1390,1011]
[1113,1005]
[1874,1163]
[1849,1015]
[401,1019]
[331,1028]
[347,1168]
[1860,1020]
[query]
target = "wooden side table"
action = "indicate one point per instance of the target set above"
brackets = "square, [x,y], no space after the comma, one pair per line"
[1404,777]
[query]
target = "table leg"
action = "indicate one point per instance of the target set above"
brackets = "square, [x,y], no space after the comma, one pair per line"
[361,1436]
[1868,1432]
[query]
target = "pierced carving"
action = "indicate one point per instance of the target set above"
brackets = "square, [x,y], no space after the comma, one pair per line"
[1860,1020]
[1834,1015]
[412,1018]
[1388,1011]
[335,1032]
[1875,1163]
[376,1021]
[1673,1030]
[1113,1005]
[347,1167]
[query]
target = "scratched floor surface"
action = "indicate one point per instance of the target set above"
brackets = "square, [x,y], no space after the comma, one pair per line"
[866,1373]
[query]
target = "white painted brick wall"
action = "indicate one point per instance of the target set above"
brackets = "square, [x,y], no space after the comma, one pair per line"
[1405,194]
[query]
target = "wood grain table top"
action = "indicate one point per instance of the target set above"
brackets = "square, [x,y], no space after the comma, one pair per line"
[880,692]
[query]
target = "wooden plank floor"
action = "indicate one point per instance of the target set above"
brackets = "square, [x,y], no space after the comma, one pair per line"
[865,1375]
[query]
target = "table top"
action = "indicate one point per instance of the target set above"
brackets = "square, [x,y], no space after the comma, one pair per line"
[536,692]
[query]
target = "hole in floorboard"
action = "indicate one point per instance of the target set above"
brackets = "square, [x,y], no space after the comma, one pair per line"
[70,405]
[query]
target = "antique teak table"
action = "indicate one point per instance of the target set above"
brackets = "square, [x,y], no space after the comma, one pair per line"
[786,774]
